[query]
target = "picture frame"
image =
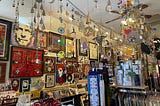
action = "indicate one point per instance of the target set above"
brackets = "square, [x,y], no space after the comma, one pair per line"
[71,49]
[5,33]
[24,84]
[42,39]
[3,67]
[82,52]
[49,80]
[15,84]
[49,64]
[55,42]
[23,37]
[26,62]
[93,51]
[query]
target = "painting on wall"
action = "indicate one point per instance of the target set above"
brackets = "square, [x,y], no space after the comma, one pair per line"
[83,48]
[2,72]
[5,33]
[71,49]
[23,37]
[50,80]
[26,62]
[25,84]
[42,39]
[55,42]
[93,52]
[49,64]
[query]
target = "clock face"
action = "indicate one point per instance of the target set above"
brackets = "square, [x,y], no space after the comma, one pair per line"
[88,31]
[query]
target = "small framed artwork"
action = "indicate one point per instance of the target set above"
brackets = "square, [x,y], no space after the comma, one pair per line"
[71,49]
[83,48]
[15,84]
[50,80]
[42,39]
[25,84]
[93,64]
[2,72]
[93,51]
[55,42]
[49,64]
[5,33]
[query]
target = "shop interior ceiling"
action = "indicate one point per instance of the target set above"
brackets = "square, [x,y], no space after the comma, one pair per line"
[96,8]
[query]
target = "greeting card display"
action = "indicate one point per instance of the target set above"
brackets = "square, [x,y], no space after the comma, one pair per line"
[26,62]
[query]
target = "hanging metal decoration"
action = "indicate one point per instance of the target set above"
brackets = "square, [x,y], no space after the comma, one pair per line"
[108,6]
[38,14]
[61,29]
[16,4]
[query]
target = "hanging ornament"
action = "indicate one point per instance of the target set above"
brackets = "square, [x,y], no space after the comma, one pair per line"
[61,30]
[88,19]
[108,6]
[88,31]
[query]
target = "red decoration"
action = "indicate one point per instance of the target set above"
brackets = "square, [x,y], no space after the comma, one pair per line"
[127,31]
[26,62]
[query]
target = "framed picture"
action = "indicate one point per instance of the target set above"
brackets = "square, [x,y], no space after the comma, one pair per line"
[23,37]
[2,72]
[93,51]
[24,84]
[5,33]
[37,83]
[50,80]
[15,84]
[42,39]
[49,64]
[83,48]
[55,42]
[71,49]
[26,62]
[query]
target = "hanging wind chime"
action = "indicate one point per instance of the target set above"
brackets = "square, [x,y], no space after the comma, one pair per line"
[88,31]
[37,23]
[16,4]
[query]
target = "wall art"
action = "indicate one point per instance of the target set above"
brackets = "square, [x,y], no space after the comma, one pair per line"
[42,39]
[37,83]
[93,51]
[60,74]
[26,62]
[2,72]
[50,80]
[24,84]
[83,48]
[5,33]
[71,49]
[23,37]
[49,64]
[55,42]
[15,84]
